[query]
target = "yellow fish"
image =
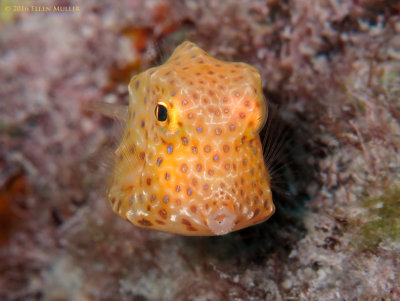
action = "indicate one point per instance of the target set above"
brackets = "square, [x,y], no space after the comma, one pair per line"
[190,161]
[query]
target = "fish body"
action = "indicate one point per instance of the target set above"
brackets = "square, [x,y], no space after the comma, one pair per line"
[190,160]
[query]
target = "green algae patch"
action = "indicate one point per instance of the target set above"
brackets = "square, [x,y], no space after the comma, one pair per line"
[11,130]
[384,216]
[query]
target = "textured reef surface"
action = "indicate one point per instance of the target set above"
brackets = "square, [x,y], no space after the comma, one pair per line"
[332,69]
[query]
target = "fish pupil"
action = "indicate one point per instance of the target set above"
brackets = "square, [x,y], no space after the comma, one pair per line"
[161,112]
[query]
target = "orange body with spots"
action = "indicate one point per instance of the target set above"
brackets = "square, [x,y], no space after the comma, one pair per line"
[190,161]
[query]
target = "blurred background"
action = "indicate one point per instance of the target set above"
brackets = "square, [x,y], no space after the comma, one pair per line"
[332,70]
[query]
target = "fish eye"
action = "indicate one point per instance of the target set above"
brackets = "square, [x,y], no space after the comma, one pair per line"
[161,112]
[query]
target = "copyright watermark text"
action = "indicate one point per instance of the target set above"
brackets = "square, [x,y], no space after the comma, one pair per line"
[41,9]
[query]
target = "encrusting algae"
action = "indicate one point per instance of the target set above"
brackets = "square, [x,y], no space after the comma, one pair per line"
[190,161]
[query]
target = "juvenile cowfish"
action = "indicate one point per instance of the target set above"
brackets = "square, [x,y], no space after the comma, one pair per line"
[190,161]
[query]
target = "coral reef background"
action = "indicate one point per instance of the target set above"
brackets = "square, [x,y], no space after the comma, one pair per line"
[331,67]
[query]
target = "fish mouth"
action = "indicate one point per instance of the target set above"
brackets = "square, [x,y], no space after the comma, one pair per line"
[221,221]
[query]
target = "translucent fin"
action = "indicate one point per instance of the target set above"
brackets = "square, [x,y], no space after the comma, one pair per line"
[115,111]
[102,158]
[275,138]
